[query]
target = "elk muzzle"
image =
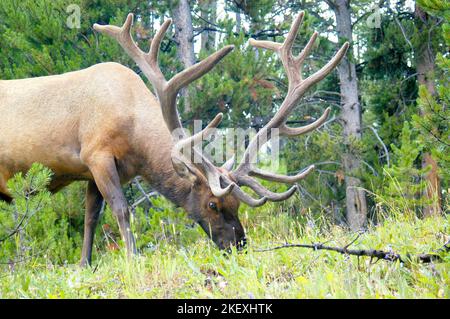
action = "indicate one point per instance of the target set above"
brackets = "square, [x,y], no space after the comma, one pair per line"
[226,236]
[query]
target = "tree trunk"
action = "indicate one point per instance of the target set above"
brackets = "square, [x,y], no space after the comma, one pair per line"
[425,76]
[238,20]
[351,118]
[209,15]
[184,37]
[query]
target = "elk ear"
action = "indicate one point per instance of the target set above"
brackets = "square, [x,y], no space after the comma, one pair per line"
[186,171]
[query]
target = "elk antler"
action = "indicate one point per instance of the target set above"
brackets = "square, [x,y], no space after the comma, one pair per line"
[221,183]
[245,171]
[166,91]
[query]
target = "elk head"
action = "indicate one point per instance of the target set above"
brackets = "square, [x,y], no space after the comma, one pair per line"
[215,192]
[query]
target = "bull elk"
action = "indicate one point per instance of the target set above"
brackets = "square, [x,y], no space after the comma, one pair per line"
[103,125]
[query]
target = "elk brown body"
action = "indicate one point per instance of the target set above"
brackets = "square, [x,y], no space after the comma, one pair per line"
[100,124]
[103,125]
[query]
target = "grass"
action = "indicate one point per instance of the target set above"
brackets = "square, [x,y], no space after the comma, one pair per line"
[187,265]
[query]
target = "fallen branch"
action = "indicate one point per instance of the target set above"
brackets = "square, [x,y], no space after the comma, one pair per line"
[373,253]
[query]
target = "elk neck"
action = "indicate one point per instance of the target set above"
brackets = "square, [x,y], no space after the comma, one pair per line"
[155,166]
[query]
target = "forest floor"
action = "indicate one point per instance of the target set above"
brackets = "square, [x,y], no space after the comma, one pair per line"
[196,269]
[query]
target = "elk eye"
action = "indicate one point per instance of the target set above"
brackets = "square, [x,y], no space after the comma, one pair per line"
[213,206]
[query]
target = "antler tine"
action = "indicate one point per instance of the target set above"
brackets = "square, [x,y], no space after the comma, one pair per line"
[262,191]
[122,36]
[228,165]
[327,68]
[307,49]
[115,31]
[148,63]
[295,131]
[297,87]
[281,178]
[246,198]
[286,46]
[197,70]
[184,78]
[198,137]
[212,174]
[166,91]
[155,43]
[292,34]
[263,44]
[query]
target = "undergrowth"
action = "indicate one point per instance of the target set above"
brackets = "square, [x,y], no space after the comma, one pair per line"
[177,260]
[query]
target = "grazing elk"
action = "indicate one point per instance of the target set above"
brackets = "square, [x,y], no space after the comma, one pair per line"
[103,125]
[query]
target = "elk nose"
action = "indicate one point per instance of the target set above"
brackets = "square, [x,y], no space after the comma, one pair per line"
[240,244]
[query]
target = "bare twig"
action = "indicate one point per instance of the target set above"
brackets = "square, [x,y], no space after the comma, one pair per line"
[401,28]
[23,221]
[354,240]
[141,189]
[144,198]
[17,229]
[382,143]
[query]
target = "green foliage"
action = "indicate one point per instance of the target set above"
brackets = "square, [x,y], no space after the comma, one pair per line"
[434,118]
[434,126]
[256,10]
[161,225]
[47,228]
[392,97]
[177,259]
[30,228]
[35,39]
[199,270]
[402,180]
[238,86]
[388,76]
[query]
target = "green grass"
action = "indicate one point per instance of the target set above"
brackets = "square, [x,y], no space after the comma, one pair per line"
[186,264]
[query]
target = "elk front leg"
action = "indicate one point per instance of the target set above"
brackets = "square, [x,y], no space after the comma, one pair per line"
[3,189]
[94,201]
[103,168]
